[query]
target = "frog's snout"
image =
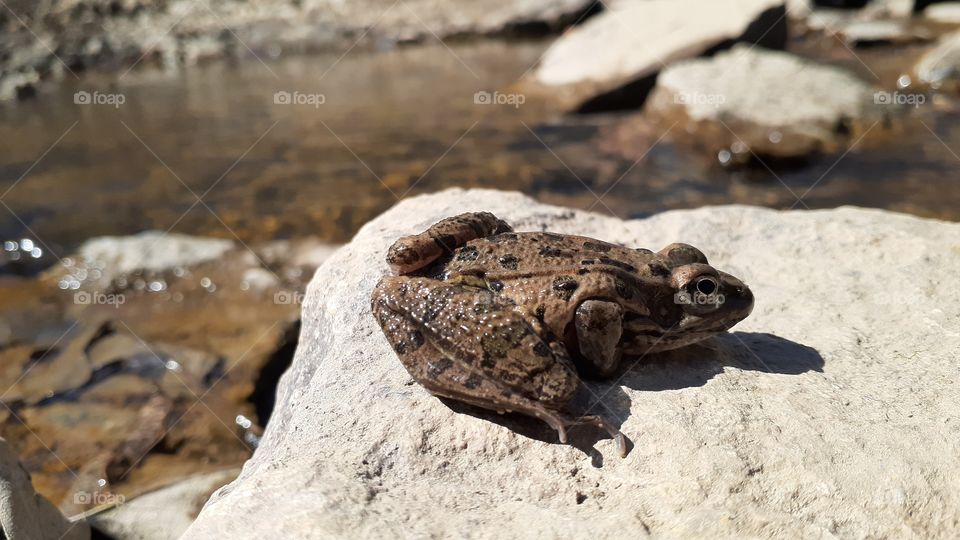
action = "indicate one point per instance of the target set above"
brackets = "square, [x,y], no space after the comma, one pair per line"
[738,298]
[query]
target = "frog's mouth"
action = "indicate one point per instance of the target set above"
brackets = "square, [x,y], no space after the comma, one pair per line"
[642,335]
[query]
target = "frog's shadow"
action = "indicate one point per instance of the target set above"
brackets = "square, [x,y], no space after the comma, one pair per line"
[688,367]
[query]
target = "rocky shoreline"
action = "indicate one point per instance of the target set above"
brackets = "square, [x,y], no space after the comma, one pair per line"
[144,362]
[822,415]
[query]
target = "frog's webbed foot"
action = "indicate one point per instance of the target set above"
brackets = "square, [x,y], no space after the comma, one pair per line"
[557,421]
[412,253]
[560,423]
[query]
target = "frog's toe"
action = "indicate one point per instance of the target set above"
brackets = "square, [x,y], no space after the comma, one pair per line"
[602,423]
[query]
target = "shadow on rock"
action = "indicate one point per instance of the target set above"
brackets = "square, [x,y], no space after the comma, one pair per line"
[583,437]
[695,365]
[683,368]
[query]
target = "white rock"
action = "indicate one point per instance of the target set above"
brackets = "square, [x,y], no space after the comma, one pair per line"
[829,20]
[150,251]
[260,279]
[940,66]
[163,514]
[880,31]
[946,12]
[799,9]
[773,102]
[829,412]
[890,8]
[26,515]
[632,41]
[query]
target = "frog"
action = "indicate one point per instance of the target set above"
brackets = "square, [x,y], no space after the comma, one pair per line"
[516,321]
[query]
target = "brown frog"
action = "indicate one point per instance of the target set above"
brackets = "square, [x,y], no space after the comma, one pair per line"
[508,321]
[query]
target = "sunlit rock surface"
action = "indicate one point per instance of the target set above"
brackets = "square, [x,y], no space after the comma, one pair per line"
[753,101]
[830,411]
[610,61]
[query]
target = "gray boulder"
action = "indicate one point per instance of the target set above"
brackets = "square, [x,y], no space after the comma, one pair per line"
[769,103]
[829,412]
[611,60]
[25,515]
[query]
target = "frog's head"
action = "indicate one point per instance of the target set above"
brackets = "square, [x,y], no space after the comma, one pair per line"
[705,302]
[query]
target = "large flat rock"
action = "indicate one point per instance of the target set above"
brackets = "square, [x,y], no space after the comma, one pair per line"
[831,411]
[611,60]
[769,103]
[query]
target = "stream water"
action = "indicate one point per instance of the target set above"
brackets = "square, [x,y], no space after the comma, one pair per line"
[367,129]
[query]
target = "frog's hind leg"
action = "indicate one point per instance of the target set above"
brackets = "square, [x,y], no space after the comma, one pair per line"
[412,253]
[557,421]
[460,344]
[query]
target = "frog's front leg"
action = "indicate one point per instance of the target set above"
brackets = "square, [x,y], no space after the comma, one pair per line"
[599,326]
[459,342]
[411,253]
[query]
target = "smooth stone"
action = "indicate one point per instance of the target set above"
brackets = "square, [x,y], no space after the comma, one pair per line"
[768,103]
[149,251]
[945,12]
[610,60]
[826,413]
[861,33]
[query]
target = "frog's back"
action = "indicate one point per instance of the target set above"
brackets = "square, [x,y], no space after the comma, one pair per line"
[543,252]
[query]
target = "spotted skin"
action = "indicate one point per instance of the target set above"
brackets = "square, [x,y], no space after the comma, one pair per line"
[510,320]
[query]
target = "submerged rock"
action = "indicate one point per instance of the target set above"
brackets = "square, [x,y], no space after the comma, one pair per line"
[939,68]
[611,60]
[165,350]
[25,515]
[151,251]
[751,100]
[824,414]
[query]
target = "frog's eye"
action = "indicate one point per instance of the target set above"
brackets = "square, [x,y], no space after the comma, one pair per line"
[706,285]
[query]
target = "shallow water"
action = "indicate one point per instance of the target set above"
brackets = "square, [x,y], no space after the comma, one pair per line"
[394,124]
